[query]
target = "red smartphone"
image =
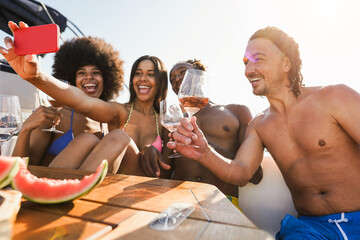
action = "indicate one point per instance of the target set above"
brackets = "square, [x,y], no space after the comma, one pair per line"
[37,40]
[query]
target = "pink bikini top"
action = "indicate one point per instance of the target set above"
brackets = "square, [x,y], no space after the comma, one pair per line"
[158,141]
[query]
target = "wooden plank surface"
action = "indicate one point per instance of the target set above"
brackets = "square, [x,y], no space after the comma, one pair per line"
[85,210]
[139,195]
[155,181]
[136,227]
[32,224]
[56,173]
[155,195]
[218,208]
[123,206]
[210,204]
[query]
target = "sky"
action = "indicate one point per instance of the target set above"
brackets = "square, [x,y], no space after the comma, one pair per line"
[217,31]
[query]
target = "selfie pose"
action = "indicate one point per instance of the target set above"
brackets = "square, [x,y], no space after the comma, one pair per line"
[93,66]
[138,118]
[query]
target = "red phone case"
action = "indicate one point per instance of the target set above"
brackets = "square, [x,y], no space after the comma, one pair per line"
[37,39]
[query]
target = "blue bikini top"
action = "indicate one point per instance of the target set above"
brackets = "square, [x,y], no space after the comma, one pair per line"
[59,144]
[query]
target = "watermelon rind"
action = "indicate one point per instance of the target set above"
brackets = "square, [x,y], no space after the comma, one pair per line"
[96,180]
[7,177]
[103,175]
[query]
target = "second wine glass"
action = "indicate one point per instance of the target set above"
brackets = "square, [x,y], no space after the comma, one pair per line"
[170,117]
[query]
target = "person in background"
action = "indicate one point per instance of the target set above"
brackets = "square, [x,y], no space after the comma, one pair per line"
[311,132]
[139,121]
[138,118]
[148,86]
[224,127]
[94,67]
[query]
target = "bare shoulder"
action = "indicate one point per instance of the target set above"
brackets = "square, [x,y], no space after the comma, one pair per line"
[261,116]
[121,110]
[338,101]
[338,90]
[241,112]
[119,106]
[238,109]
[339,94]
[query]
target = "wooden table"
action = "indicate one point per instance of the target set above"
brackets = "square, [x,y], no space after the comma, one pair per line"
[122,207]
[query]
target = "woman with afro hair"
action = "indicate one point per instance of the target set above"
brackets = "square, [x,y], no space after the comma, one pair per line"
[94,67]
[134,127]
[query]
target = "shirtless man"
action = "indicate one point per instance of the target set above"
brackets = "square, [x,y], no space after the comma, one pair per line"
[224,127]
[312,133]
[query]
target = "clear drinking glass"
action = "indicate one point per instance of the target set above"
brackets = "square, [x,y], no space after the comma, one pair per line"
[170,118]
[193,92]
[57,107]
[10,117]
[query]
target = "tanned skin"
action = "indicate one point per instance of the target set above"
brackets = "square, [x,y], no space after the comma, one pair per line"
[314,138]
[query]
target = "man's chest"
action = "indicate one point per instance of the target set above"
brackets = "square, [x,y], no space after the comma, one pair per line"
[218,124]
[310,132]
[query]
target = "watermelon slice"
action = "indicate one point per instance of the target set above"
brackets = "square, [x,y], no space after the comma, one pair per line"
[9,167]
[45,190]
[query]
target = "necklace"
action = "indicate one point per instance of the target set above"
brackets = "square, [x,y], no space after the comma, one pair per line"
[130,113]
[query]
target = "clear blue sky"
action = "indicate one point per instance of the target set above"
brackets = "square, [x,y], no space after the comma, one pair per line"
[216,31]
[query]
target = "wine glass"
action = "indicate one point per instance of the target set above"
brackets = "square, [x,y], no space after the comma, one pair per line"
[193,91]
[170,118]
[10,117]
[57,107]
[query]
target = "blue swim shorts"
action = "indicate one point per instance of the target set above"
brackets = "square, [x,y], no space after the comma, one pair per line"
[335,226]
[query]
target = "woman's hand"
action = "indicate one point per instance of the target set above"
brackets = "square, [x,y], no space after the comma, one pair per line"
[27,67]
[42,116]
[151,160]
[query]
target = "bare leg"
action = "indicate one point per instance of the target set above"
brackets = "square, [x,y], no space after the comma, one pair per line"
[131,164]
[112,148]
[86,152]
[76,152]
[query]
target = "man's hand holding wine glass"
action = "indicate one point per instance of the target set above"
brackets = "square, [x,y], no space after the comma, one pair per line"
[189,133]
